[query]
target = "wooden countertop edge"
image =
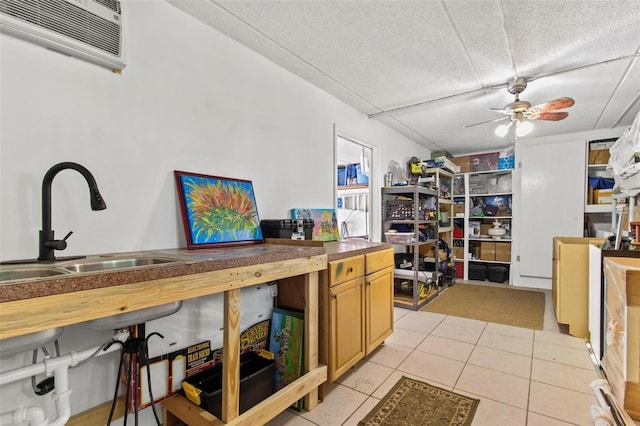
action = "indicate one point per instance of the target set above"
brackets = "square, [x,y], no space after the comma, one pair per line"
[41,313]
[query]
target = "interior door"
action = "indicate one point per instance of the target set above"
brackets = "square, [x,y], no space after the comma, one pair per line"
[552,200]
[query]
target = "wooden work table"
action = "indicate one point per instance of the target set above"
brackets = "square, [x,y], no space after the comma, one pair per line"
[80,297]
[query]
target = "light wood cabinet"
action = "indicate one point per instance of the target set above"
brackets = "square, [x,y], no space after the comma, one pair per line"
[378,298]
[346,326]
[570,282]
[356,309]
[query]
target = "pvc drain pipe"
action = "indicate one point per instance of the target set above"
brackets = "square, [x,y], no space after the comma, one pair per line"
[59,367]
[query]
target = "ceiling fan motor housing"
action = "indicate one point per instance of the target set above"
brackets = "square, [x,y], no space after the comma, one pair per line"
[517,86]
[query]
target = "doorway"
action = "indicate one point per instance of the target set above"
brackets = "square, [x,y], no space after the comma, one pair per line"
[354,164]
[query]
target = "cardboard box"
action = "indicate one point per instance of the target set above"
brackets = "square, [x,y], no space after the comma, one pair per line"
[599,156]
[602,196]
[443,163]
[484,228]
[458,252]
[503,252]
[485,162]
[463,162]
[487,250]
[458,208]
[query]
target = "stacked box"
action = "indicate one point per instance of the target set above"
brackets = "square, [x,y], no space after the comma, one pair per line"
[503,252]
[487,250]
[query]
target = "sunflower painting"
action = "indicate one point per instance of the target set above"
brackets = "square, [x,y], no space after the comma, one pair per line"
[217,210]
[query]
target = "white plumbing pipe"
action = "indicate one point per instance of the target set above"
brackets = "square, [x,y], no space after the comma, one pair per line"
[59,367]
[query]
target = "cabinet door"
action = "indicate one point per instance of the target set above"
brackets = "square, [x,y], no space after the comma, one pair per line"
[346,325]
[379,308]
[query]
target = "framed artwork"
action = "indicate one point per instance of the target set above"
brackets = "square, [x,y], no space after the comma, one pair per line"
[217,211]
[325,223]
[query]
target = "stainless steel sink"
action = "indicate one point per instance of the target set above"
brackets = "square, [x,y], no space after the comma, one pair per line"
[112,264]
[25,273]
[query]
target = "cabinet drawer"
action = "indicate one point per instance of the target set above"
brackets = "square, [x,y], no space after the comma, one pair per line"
[345,269]
[378,260]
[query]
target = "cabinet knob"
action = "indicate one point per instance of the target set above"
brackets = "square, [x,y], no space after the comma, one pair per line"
[350,270]
[335,296]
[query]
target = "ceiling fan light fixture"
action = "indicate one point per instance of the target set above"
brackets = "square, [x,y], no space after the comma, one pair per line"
[503,129]
[523,128]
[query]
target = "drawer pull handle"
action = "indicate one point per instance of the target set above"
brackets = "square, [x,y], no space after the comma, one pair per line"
[350,270]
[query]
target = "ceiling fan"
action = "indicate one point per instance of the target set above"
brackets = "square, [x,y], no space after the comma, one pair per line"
[518,112]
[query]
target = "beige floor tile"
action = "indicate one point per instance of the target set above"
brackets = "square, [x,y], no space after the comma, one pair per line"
[366,377]
[560,339]
[448,348]
[389,355]
[399,313]
[494,385]
[338,405]
[508,330]
[562,354]
[421,322]
[551,325]
[406,338]
[565,376]
[288,418]
[535,419]
[505,362]
[432,368]
[505,342]
[494,413]
[456,332]
[562,404]
[464,322]
[361,412]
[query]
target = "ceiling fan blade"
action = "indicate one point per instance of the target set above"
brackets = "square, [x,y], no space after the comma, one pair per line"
[555,104]
[485,122]
[551,116]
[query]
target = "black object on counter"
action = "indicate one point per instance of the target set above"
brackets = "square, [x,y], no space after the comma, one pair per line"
[293,229]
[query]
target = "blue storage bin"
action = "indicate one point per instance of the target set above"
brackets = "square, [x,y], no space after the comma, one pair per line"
[506,163]
[342,176]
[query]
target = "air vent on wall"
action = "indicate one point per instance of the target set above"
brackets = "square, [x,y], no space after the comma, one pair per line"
[86,29]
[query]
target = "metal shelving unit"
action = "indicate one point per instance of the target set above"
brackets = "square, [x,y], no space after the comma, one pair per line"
[416,209]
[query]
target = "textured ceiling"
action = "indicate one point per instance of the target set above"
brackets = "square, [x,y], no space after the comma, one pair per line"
[429,68]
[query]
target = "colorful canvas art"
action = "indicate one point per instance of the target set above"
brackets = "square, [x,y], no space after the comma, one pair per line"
[325,222]
[286,344]
[217,211]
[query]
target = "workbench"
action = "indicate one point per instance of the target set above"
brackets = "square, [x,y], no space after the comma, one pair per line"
[76,298]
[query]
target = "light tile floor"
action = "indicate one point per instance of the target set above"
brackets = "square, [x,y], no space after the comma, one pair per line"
[521,376]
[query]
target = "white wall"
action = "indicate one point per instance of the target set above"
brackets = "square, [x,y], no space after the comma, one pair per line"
[190,99]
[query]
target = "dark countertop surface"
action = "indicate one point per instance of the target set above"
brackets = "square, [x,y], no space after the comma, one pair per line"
[186,262]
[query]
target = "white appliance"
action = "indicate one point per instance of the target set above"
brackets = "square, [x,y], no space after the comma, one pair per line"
[90,30]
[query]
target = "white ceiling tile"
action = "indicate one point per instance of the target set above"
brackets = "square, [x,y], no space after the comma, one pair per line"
[378,55]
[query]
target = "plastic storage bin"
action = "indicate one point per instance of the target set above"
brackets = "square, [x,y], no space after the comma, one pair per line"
[256,384]
[477,272]
[498,274]
[287,228]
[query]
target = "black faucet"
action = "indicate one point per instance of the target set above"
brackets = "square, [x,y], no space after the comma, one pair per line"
[48,244]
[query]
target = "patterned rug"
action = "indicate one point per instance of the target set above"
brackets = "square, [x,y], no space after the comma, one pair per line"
[415,403]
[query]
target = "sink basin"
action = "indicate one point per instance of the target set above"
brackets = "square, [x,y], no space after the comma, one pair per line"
[135,317]
[24,273]
[27,342]
[111,264]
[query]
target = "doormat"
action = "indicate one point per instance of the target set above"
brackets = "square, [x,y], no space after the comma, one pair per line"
[415,403]
[518,308]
